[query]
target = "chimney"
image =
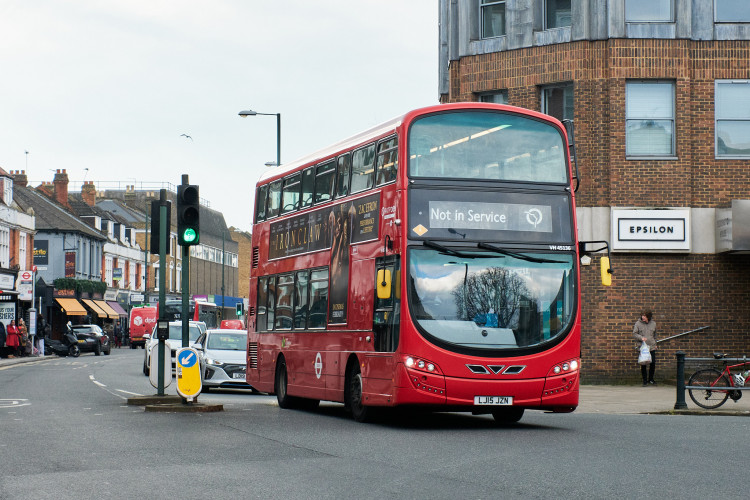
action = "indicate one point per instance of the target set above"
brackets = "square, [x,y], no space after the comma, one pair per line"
[19,178]
[130,197]
[61,187]
[88,193]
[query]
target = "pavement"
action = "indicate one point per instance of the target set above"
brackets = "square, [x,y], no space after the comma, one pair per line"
[602,399]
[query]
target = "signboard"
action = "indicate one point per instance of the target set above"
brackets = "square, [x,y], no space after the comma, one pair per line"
[41,250]
[25,285]
[7,312]
[651,230]
[70,264]
[117,274]
[7,281]
[189,383]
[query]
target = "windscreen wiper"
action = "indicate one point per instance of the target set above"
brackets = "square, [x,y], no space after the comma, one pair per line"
[450,251]
[515,255]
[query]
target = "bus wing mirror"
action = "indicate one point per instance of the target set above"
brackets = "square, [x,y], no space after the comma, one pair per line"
[606,271]
[384,284]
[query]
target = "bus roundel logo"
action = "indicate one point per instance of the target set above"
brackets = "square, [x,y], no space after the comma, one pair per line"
[318,365]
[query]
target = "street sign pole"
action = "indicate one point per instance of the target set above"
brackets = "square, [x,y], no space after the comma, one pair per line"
[163,207]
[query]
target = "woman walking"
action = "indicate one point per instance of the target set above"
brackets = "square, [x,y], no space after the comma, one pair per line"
[645,331]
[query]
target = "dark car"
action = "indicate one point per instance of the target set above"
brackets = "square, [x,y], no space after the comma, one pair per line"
[91,338]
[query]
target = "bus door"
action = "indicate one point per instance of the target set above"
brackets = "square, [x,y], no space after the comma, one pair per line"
[387,310]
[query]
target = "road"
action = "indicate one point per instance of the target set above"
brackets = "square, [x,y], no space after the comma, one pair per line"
[67,432]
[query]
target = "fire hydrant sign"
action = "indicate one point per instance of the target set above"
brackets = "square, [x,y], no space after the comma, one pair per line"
[189,383]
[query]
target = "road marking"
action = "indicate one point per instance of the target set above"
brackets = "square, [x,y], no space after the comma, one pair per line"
[128,392]
[99,383]
[13,403]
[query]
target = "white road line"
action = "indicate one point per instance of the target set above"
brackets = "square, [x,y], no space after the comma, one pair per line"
[128,392]
[99,383]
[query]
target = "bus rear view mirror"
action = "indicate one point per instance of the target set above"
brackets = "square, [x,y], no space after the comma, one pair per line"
[606,271]
[384,284]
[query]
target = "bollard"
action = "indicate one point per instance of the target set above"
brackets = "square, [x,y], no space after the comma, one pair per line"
[680,403]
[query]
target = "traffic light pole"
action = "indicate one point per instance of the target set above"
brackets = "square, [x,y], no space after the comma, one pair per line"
[185,296]
[163,207]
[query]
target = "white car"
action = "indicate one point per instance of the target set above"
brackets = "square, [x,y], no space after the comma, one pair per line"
[174,342]
[224,354]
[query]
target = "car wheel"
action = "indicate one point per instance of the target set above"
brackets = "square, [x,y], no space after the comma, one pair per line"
[98,349]
[108,351]
[145,367]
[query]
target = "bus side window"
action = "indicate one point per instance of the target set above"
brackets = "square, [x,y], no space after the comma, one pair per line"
[387,164]
[343,174]
[301,300]
[324,182]
[290,194]
[261,305]
[284,297]
[271,302]
[260,203]
[362,169]
[274,199]
[308,187]
[318,298]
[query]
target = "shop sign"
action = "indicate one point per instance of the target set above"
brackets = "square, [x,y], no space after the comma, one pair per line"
[7,281]
[41,250]
[665,230]
[117,274]
[70,264]
[7,312]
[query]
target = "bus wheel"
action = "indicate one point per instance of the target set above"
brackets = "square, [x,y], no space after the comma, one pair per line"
[354,398]
[285,400]
[508,415]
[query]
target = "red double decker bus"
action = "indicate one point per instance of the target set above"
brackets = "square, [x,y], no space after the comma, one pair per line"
[431,261]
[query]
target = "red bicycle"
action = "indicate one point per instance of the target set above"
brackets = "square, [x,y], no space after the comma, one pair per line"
[710,388]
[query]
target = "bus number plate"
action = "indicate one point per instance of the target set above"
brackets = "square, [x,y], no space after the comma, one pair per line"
[493,400]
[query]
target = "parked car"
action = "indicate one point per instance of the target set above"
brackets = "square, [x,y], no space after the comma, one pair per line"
[91,338]
[174,342]
[224,354]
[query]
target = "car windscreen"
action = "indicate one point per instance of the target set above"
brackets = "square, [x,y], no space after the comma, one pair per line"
[175,332]
[227,341]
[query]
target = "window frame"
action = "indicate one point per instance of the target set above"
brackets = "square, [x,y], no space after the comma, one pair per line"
[716,15]
[545,90]
[651,21]
[482,96]
[341,189]
[268,289]
[277,184]
[717,119]
[328,168]
[484,5]
[363,150]
[308,177]
[387,150]
[673,119]
[284,191]
[546,12]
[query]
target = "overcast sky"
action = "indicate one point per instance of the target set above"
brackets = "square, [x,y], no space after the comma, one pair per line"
[110,86]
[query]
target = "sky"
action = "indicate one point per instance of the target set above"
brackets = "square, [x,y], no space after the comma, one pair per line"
[105,89]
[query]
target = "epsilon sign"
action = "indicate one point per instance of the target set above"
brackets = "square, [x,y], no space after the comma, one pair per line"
[189,383]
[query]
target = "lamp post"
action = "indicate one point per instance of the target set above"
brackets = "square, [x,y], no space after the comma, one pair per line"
[250,112]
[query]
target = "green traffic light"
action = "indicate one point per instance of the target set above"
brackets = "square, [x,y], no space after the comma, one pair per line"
[189,235]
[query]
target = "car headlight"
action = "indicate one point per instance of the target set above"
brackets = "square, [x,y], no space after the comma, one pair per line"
[214,362]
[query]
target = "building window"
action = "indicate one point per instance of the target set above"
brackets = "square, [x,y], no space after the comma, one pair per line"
[649,11]
[8,191]
[556,14]
[4,247]
[108,270]
[22,250]
[732,11]
[732,118]
[492,18]
[557,101]
[650,125]
[498,97]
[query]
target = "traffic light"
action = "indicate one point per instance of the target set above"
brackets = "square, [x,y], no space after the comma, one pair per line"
[240,308]
[155,220]
[188,215]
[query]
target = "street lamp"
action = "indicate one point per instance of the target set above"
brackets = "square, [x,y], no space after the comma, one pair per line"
[250,112]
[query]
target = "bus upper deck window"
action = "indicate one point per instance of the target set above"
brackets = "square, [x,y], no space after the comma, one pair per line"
[260,203]
[324,177]
[362,169]
[387,165]
[290,194]
[342,175]
[274,199]
[308,187]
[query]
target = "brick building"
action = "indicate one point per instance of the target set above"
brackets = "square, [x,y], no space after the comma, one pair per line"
[659,91]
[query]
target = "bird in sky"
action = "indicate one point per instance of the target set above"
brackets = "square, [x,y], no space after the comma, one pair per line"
[187,136]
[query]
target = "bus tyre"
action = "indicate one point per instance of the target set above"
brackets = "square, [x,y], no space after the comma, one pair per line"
[508,415]
[285,400]
[354,397]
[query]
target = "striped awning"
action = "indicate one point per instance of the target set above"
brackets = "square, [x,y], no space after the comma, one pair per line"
[95,308]
[71,307]
[105,307]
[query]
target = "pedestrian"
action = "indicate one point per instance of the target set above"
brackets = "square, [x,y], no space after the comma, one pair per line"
[3,336]
[117,336]
[645,331]
[26,348]
[13,339]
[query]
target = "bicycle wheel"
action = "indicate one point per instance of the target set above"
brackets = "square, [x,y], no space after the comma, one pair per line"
[708,398]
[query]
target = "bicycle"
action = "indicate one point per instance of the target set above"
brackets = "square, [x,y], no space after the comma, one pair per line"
[718,384]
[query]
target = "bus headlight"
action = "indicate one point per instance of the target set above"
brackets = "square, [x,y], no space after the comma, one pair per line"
[424,365]
[568,366]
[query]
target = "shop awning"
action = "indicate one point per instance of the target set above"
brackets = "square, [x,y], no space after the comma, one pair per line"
[105,307]
[71,307]
[95,308]
[117,308]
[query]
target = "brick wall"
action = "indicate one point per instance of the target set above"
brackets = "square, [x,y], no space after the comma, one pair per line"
[685,291]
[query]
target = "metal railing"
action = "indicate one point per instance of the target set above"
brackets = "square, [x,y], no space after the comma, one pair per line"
[680,403]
